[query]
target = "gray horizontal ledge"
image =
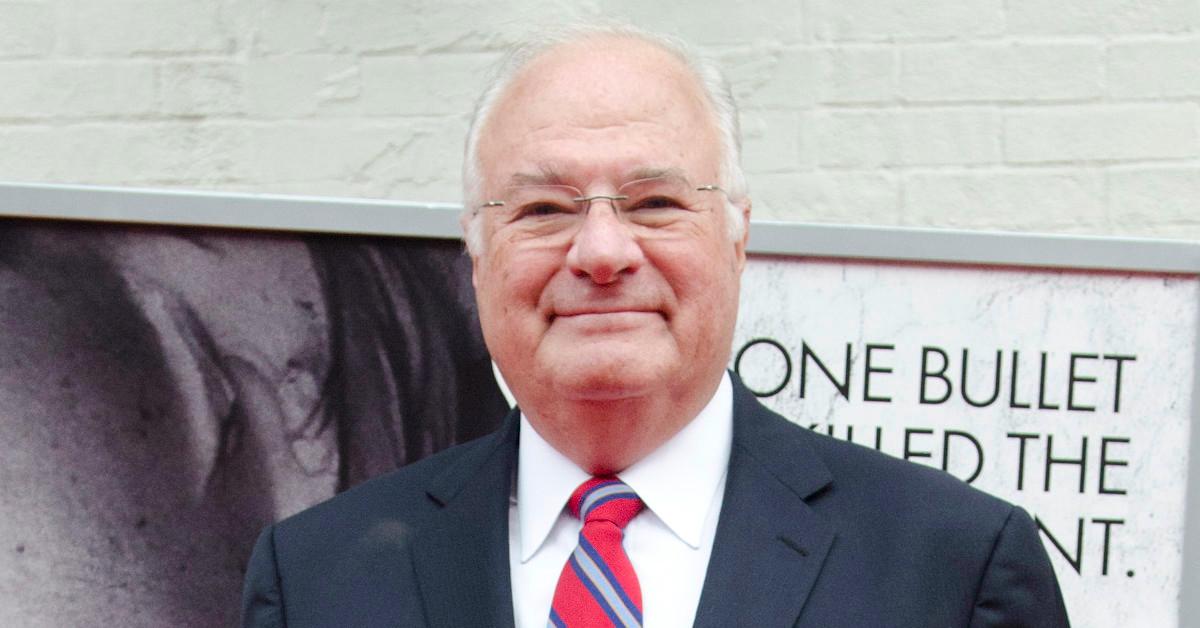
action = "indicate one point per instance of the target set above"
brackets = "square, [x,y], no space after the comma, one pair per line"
[230,210]
[440,220]
[976,247]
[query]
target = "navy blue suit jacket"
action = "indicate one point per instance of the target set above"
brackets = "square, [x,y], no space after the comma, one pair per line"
[813,532]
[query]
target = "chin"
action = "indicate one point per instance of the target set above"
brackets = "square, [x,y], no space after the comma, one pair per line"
[604,380]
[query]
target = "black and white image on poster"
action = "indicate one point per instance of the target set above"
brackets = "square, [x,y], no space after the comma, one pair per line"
[167,392]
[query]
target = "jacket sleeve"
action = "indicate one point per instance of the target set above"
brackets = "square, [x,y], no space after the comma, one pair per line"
[1018,588]
[262,599]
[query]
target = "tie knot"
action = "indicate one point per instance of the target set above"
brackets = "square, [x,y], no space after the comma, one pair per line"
[605,499]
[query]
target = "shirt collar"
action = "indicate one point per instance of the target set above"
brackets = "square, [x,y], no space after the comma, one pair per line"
[677,481]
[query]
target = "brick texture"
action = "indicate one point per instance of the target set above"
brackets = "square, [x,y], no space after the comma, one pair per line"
[301,85]
[1046,200]
[1090,17]
[858,74]
[1001,72]
[121,28]
[1131,132]
[850,196]
[1074,116]
[1152,194]
[44,89]
[402,85]
[907,137]
[881,20]
[1155,69]
[26,30]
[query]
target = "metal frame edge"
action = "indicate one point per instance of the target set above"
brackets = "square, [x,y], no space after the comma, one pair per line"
[440,220]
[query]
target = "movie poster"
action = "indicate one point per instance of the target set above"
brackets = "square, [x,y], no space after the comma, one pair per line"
[165,393]
[1068,393]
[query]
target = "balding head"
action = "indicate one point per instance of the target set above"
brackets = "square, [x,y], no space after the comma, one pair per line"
[710,83]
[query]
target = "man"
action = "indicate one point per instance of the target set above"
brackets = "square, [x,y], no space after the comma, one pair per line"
[607,228]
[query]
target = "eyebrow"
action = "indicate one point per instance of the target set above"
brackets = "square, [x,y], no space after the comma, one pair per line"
[547,175]
[654,173]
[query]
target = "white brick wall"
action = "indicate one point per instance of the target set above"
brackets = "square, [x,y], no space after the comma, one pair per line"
[896,20]
[1077,116]
[1056,199]
[1102,132]
[1001,72]
[906,137]
[1154,69]
[73,89]
[27,29]
[120,28]
[857,74]
[1101,17]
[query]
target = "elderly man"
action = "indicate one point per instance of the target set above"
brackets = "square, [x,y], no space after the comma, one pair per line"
[637,483]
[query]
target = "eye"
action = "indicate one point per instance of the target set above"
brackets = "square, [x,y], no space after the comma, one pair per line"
[543,209]
[655,202]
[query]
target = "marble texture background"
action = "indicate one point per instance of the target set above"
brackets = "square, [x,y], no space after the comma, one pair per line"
[827,304]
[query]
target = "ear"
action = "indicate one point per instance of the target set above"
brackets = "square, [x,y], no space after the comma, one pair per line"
[740,245]
[475,273]
[464,222]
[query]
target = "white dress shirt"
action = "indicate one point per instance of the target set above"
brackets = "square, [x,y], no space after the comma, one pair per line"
[682,484]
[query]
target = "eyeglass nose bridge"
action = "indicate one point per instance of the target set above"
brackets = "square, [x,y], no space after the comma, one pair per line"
[611,198]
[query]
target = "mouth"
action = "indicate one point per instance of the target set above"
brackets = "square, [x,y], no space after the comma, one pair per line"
[600,312]
[606,319]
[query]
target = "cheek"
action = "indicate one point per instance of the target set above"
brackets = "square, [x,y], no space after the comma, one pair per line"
[512,283]
[705,285]
[698,273]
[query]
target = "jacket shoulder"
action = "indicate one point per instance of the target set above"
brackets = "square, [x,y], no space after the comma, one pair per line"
[868,481]
[928,530]
[388,508]
[349,560]
[868,469]
[913,544]
[844,475]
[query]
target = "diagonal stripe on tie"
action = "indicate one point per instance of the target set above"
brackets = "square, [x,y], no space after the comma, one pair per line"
[601,591]
[588,556]
[602,493]
[604,499]
[597,586]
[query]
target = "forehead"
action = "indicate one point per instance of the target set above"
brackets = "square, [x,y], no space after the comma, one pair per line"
[598,108]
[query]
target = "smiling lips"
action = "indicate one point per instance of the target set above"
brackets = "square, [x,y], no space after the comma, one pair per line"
[605,319]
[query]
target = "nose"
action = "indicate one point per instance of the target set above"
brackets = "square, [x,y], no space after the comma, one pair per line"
[603,249]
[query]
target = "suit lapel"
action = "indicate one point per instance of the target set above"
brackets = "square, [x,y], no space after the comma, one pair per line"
[461,556]
[769,544]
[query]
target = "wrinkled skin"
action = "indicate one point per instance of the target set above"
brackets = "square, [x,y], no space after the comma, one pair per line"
[609,342]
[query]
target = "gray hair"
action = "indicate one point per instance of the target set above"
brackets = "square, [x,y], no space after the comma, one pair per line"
[708,75]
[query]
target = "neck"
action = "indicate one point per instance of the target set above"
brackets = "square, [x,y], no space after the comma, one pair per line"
[607,436]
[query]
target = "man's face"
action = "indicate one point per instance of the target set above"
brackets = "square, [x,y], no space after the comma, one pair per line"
[606,313]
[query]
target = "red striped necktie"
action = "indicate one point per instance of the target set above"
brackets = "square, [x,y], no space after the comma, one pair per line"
[598,587]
